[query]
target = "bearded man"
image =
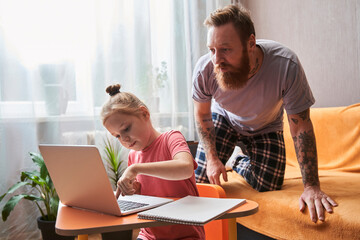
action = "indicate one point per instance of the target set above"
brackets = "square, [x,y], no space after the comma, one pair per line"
[240,90]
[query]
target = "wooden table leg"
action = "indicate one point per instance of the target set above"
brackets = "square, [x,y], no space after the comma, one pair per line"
[83,237]
[232,229]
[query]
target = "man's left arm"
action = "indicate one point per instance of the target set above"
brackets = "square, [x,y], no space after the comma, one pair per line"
[305,147]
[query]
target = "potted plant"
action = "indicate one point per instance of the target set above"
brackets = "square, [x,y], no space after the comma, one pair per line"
[112,157]
[158,77]
[37,187]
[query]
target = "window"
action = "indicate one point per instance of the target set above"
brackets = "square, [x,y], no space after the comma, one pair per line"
[60,55]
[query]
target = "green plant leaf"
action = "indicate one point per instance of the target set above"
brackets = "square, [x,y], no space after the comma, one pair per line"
[39,160]
[43,172]
[54,204]
[28,175]
[112,152]
[39,180]
[114,180]
[9,206]
[34,177]
[13,188]
[118,166]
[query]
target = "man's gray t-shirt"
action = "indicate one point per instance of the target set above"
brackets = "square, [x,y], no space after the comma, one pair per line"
[258,107]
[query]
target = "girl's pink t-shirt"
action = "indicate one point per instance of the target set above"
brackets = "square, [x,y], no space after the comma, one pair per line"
[164,148]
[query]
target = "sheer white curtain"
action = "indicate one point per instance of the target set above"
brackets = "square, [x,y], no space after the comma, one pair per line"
[56,59]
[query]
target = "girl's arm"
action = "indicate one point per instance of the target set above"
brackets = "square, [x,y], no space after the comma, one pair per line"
[179,168]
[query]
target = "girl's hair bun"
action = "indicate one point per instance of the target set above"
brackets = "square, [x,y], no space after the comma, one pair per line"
[113,89]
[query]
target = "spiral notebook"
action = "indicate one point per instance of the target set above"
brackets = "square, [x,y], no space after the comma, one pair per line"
[192,210]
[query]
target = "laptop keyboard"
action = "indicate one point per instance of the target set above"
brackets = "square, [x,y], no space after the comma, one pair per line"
[129,205]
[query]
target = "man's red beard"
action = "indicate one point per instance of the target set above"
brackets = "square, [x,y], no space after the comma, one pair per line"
[235,78]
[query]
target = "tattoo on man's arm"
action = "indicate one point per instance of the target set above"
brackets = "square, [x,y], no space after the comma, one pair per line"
[305,116]
[295,120]
[207,135]
[207,120]
[305,148]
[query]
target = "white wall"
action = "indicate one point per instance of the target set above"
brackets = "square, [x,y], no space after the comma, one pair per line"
[325,34]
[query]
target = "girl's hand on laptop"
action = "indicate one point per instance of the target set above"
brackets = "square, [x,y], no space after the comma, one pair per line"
[127,183]
[137,187]
[118,192]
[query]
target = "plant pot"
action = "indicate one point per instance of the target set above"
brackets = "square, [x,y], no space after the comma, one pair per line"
[47,229]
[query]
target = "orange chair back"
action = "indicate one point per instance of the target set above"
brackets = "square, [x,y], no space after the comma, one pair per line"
[218,229]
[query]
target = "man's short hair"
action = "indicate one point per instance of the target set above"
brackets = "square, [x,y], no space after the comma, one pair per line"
[239,16]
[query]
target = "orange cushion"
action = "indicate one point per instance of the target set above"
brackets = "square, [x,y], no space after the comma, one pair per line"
[337,132]
[279,216]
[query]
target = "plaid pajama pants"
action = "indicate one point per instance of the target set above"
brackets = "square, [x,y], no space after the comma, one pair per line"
[263,166]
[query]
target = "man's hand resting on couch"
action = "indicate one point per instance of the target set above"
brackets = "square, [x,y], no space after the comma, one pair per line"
[303,135]
[316,200]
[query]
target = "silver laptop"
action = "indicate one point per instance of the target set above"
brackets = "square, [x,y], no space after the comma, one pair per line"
[81,181]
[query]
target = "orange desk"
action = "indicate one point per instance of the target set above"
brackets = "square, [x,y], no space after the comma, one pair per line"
[72,221]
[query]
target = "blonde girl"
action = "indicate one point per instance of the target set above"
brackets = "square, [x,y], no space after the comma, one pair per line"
[159,164]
